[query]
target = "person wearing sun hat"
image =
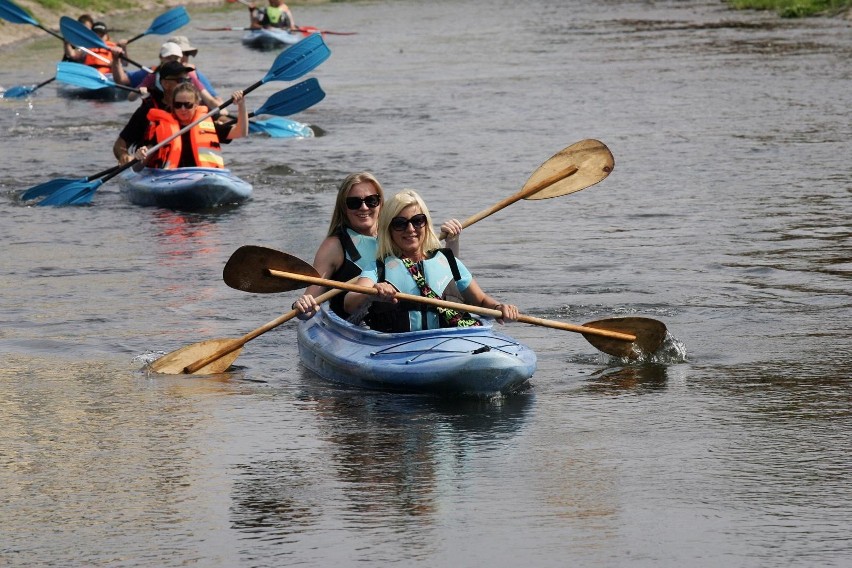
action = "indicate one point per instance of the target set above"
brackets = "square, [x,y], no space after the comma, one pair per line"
[171,52]
[191,51]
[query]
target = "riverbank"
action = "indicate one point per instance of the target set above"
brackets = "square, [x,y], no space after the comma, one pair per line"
[49,17]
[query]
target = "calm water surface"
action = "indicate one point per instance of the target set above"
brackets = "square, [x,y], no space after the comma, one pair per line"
[727,217]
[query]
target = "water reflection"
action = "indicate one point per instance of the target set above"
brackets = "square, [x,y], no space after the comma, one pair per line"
[388,456]
[639,378]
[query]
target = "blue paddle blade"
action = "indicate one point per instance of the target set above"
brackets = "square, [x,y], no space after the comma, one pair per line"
[168,22]
[78,192]
[293,99]
[279,127]
[12,13]
[298,59]
[48,188]
[79,35]
[17,92]
[82,75]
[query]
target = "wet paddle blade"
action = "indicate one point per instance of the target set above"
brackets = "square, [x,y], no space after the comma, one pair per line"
[298,59]
[650,334]
[49,187]
[293,99]
[174,363]
[593,161]
[78,192]
[279,127]
[15,14]
[79,35]
[248,270]
[17,92]
[168,22]
[81,75]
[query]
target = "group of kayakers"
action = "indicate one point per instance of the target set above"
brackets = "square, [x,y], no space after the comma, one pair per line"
[392,247]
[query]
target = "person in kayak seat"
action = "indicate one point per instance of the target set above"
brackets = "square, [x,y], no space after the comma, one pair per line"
[276,15]
[410,260]
[350,245]
[200,146]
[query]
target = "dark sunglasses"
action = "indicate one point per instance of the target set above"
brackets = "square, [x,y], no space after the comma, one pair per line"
[181,104]
[401,223]
[371,201]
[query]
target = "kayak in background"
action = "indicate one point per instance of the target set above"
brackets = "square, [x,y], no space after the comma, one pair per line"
[270,38]
[457,361]
[184,189]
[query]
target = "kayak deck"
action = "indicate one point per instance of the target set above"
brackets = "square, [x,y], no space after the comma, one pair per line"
[466,361]
[270,38]
[184,189]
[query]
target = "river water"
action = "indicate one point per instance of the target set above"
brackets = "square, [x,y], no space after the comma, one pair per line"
[727,217]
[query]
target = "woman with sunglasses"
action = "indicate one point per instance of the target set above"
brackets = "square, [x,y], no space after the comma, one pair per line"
[200,145]
[411,261]
[350,245]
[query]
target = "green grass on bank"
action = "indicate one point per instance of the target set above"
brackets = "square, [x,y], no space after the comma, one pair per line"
[100,6]
[794,8]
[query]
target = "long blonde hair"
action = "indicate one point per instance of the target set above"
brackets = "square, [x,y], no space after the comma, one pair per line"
[338,216]
[392,209]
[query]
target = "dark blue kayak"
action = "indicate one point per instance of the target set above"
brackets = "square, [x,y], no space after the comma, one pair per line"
[456,361]
[184,189]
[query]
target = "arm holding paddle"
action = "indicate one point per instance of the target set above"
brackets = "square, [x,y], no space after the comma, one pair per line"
[241,128]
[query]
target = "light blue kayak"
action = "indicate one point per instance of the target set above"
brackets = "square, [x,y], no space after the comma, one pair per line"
[270,38]
[465,361]
[183,189]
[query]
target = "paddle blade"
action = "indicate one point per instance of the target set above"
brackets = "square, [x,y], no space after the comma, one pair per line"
[77,34]
[593,161]
[17,92]
[279,127]
[81,75]
[650,334]
[293,99]
[78,192]
[15,14]
[49,187]
[248,270]
[298,59]
[175,362]
[168,22]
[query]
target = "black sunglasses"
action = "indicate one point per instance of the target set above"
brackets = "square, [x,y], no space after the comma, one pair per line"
[401,223]
[181,104]
[371,201]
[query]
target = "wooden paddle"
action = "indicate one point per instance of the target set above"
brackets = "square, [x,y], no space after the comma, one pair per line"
[216,355]
[263,270]
[576,167]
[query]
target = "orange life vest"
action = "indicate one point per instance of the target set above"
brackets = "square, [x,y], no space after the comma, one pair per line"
[97,63]
[202,136]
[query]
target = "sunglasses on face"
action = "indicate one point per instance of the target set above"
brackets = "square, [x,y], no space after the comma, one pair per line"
[371,201]
[400,224]
[181,104]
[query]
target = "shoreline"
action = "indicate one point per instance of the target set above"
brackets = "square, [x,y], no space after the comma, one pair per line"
[12,34]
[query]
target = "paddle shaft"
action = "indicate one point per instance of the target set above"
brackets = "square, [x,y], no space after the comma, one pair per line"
[453,305]
[523,194]
[237,343]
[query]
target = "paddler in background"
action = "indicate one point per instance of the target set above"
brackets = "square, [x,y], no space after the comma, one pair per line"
[200,146]
[149,82]
[276,15]
[71,52]
[169,76]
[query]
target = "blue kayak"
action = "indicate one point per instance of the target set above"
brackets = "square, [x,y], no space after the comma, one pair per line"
[183,189]
[466,361]
[270,38]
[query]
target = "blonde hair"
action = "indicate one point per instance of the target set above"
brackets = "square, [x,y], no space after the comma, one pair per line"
[391,209]
[338,217]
